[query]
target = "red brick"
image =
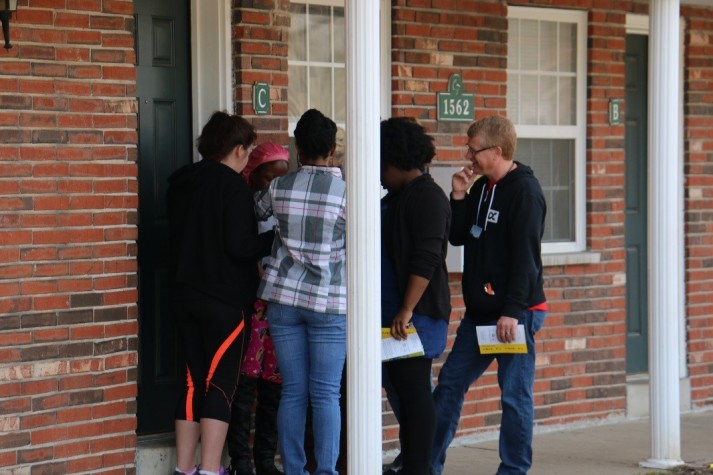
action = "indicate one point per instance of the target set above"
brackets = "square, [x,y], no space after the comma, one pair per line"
[71,449]
[36,86]
[73,88]
[87,464]
[37,287]
[54,302]
[33,456]
[84,37]
[122,73]
[33,421]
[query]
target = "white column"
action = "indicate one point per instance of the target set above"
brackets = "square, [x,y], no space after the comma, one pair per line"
[363,239]
[665,234]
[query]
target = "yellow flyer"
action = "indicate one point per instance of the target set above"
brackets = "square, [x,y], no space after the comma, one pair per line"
[489,343]
[392,349]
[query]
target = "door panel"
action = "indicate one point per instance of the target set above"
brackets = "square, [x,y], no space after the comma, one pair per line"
[163,90]
[636,203]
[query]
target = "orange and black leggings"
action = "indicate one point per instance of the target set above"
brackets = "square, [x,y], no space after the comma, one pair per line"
[211,338]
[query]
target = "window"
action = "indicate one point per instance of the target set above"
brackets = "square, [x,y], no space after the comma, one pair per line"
[317,56]
[546,100]
[317,59]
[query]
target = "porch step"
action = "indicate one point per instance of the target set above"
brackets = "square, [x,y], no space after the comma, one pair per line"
[156,455]
[637,395]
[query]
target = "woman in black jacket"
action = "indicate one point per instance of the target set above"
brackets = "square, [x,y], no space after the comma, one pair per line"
[214,251]
[415,224]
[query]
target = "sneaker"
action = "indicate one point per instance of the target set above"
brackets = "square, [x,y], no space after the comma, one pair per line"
[192,472]
[221,471]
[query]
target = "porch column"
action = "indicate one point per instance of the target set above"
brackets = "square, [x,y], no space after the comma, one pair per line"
[665,234]
[363,238]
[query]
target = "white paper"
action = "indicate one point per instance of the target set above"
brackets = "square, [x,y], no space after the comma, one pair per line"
[391,348]
[489,343]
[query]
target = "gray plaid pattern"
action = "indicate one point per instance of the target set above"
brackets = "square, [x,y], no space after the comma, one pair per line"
[307,266]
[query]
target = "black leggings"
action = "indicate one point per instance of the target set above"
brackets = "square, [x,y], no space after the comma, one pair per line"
[211,334]
[411,381]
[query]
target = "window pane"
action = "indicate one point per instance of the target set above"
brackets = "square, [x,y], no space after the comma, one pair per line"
[567,105]
[528,45]
[548,100]
[340,39]
[548,46]
[513,43]
[528,99]
[512,98]
[320,38]
[559,220]
[553,163]
[298,33]
[320,83]
[340,95]
[568,47]
[297,91]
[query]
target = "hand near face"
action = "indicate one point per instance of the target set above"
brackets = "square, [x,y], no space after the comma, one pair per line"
[462,180]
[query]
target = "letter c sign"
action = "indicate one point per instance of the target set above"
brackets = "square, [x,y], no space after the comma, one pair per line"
[261,98]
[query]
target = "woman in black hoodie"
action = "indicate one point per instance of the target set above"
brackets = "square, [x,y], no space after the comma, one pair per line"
[214,250]
[415,221]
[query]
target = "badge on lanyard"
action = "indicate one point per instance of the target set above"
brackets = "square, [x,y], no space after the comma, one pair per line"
[476,231]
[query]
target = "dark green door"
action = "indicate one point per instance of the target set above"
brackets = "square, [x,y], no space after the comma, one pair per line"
[163,91]
[636,172]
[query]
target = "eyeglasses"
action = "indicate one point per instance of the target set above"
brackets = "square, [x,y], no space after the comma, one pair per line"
[472,152]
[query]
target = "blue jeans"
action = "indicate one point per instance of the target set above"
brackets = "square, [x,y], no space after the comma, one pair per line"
[516,376]
[311,349]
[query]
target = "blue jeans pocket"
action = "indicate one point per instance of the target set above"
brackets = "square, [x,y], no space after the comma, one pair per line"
[538,320]
[433,334]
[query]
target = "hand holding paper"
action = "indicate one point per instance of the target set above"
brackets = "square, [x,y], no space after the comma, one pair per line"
[392,349]
[489,343]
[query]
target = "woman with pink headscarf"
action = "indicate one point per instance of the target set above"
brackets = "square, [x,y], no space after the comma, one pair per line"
[259,370]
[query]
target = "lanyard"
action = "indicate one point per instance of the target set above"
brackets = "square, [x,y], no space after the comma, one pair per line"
[480,203]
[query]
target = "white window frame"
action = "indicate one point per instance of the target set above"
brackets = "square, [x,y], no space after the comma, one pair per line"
[385,62]
[577,132]
[211,62]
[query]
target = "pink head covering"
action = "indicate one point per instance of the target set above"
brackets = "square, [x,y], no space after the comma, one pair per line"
[264,153]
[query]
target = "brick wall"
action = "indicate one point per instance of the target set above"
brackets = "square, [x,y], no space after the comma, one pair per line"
[433,40]
[698,149]
[260,46]
[68,200]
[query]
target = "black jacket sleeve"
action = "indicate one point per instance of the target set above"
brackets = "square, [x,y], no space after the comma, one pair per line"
[428,220]
[462,218]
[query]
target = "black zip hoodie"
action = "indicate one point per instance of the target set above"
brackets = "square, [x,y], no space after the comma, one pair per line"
[214,243]
[415,234]
[502,272]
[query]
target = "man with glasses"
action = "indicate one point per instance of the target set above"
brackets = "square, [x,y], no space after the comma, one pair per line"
[498,214]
